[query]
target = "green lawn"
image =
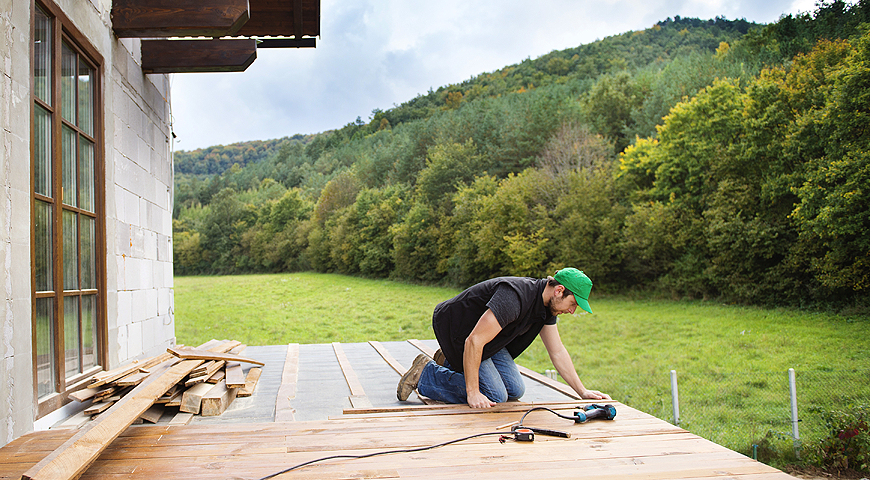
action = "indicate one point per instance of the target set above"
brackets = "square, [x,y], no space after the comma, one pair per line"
[731,361]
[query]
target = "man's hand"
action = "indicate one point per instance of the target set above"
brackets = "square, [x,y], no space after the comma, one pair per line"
[594,395]
[479,400]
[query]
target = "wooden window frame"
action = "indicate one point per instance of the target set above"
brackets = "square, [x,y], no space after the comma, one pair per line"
[64,31]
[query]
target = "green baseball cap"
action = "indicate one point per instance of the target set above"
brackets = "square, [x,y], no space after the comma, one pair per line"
[579,284]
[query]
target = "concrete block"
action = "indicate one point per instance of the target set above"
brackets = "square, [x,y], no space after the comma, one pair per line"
[122,344]
[151,303]
[121,269]
[125,308]
[152,333]
[133,208]
[164,248]
[20,216]
[112,308]
[150,245]
[146,273]
[123,239]
[157,275]
[131,273]
[134,339]
[138,248]
[21,287]
[164,301]
[140,310]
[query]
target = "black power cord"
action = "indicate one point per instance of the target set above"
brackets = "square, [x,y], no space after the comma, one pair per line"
[409,450]
[519,431]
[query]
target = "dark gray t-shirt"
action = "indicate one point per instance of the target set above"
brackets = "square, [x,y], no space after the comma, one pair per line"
[517,304]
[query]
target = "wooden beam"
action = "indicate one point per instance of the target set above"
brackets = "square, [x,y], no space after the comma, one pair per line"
[178,18]
[216,401]
[188,56]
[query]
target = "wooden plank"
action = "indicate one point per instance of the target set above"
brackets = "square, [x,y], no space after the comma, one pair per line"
[392,362]
[349,376]
[187,56]
[287,390]
[234,375]
[251,380]
[175,401]
[98,408]
[75,421]
[83,394]
[217,377]
[554,384]
[212,368]
[153,414]
[178,18]
[216,401]
[191,399]
[132,379]
[75,455]
[422,347]
[197,354]
[181,418]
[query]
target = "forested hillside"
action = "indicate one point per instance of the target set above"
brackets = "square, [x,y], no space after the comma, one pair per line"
[701,158]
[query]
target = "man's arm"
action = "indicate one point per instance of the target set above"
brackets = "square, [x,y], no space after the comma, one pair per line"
[564,365]
[485,330]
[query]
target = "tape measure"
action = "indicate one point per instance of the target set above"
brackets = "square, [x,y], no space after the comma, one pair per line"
[524,435]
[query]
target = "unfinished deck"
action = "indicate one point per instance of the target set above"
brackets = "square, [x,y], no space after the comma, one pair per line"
[315,401]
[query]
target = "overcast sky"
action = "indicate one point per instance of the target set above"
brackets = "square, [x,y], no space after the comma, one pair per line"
[377,53]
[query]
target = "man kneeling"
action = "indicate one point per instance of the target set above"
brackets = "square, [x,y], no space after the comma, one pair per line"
[481,330]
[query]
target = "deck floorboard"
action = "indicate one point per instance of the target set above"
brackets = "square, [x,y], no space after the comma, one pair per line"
[246,441]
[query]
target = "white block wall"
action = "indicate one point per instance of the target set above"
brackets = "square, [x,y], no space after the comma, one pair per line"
[138,202]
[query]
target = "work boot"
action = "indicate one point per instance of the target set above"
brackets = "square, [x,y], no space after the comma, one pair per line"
[439,358]
[410,379]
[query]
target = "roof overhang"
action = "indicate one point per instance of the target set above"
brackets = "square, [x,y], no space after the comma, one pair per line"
[247,23]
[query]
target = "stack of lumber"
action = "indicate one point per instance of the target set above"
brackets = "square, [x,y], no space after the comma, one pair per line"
[207,390]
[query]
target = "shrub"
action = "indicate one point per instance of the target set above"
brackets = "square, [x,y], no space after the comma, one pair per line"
[847,446]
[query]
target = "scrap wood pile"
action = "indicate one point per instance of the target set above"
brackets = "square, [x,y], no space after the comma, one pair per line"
[207,390]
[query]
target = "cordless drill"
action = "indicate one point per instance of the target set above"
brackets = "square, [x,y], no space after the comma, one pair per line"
[589,412]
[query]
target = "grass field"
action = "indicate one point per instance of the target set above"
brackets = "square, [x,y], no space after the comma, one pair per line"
[731,361]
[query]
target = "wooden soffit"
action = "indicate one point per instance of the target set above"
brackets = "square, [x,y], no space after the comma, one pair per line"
[216,18]
[283,18]
[178,18]
[187,56]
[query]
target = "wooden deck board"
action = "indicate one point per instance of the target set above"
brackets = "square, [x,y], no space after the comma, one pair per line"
[633,445]
[337,399]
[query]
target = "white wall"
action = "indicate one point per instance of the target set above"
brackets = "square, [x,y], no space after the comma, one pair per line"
[138,200]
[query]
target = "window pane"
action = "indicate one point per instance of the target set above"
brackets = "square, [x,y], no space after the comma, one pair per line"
[68,154]
[44,324]
[68,83]
[71,346]
[42,56]
[88,248]
[70,251]
[42,151]
[44,234]
[86,111]
[89,331]
[86,174]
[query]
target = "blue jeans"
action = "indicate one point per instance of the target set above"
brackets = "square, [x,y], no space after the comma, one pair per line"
[499,379]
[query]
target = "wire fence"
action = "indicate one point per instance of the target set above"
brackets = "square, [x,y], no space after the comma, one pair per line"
[749,412]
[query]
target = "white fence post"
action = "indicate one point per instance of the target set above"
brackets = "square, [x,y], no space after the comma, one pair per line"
[675,398]
[794,411]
